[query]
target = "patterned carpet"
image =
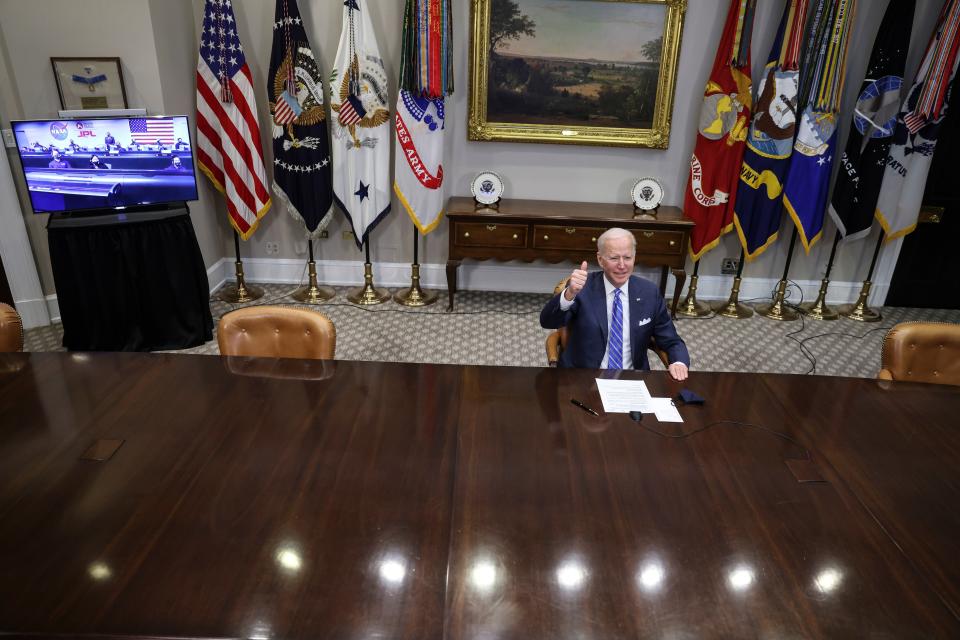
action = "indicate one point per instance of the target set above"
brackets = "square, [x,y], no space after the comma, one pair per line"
[496,328]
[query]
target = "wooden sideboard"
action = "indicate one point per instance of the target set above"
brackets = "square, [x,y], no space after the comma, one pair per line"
[556,231]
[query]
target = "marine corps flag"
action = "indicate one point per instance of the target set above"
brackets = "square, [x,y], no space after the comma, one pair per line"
[724,118]
[301,150]
[874,119]
[808,180]
[770,141]
[361,124]
[917,127]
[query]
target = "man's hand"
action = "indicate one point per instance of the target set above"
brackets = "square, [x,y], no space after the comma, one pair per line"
[678,371]
[577,279]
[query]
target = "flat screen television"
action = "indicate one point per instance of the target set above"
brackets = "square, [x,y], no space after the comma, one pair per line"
[75,165]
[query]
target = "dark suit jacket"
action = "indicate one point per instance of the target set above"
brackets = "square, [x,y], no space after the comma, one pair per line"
[587,322]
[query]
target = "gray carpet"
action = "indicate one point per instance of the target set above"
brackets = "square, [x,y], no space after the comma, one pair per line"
[503,329]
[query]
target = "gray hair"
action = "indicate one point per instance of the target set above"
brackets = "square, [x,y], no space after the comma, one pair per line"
[612,234]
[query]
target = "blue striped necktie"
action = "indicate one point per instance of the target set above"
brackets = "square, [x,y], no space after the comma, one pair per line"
[615,345]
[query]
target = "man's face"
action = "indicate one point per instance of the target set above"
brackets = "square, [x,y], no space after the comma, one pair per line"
[176,162]
[56,155]
[616,260]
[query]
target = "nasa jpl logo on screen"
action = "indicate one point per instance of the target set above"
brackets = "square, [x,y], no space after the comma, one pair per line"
[58,130]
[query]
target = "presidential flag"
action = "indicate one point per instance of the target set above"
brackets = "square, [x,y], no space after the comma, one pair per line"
[808,179]
[301,147]
[722,129]
[918,125]
[229,151]
[769,143]
[874,119]
[361,127]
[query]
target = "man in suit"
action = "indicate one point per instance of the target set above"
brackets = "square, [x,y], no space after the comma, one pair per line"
[612,314]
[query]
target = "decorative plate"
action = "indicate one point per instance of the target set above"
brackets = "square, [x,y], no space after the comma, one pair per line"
[487,188]
[647,194]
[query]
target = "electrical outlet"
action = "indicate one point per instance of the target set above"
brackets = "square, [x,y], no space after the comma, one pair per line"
[272,248]
[729,266]
[324,234]
[8,140]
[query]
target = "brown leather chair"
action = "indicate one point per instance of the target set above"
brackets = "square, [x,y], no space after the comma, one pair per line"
[922,352]
[11,329]
[557,340]
[277,332]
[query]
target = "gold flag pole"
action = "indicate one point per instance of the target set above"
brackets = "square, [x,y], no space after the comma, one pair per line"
[818,309]
[859,310]
[368,294]
[691,307]
[776,309]
[312,293]
[414,296]
[732,308]
[240,292]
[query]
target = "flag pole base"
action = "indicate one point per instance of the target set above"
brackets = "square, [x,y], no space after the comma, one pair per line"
[312,293]
[818,309]
[732,307]
[691,307]
[859,311]
[414,296]
[777,310]
[240,292]
[368,294]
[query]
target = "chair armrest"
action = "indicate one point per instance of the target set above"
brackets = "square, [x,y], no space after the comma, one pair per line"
[884,374]
[553,348]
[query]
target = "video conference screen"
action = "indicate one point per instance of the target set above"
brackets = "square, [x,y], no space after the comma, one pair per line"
[103,163]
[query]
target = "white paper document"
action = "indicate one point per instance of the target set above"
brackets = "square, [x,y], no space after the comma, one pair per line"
[665,410]
[624,396]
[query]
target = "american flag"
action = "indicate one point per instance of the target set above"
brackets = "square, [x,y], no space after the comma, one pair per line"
[228,134]
[149,130]
[287,109]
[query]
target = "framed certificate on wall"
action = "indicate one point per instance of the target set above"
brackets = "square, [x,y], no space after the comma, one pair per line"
[89,83]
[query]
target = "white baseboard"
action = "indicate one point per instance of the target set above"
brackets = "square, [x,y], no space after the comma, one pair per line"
[840,292]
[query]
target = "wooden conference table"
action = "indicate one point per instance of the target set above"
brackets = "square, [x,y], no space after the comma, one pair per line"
[288,499]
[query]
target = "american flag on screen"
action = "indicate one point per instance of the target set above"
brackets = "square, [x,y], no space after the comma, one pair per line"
[148,131]
[229,151]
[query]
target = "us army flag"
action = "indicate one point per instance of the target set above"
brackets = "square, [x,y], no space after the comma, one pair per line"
[301,148]
[418,170]
[874,120]
[724,119]
[361,124]
[759,204]
[917,127]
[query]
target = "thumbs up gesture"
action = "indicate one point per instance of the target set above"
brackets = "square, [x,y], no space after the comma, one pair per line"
[577,279]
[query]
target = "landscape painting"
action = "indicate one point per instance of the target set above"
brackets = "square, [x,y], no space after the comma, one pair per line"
[574,71]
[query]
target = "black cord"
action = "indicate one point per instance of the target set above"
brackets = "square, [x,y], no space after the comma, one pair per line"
[737,423]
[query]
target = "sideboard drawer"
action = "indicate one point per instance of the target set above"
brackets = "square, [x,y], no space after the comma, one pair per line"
[663,242]
[479,234]
[547,236]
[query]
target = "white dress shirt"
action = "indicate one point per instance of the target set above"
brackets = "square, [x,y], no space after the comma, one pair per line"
[625,303]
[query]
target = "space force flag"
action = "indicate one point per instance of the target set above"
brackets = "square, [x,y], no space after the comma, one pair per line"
[917,128]
[301,149]
[228,134]
[874,119]
[722,128]
[770,141]
[808,179]
[361,124]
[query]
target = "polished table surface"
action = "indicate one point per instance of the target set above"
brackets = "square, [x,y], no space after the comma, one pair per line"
[292,499]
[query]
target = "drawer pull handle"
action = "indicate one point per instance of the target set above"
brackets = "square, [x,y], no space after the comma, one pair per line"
[593,239]
[546,237]
[491,227]
[466,234]
[673,242]
[515,236]
[570,230]
[648,234]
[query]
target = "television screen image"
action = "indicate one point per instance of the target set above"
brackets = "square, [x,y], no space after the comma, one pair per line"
[103,163]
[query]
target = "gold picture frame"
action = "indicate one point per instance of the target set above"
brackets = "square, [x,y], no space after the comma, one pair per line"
[597,110]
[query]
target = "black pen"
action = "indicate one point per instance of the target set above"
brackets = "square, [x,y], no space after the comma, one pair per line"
[584,407]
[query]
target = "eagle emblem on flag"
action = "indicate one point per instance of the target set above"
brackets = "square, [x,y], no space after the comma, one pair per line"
[366,106]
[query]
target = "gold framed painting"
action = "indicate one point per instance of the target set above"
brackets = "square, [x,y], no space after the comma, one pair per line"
[590,72]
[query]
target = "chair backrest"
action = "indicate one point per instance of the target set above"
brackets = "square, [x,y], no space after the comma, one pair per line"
[11,329]
[277,332]
[922,352]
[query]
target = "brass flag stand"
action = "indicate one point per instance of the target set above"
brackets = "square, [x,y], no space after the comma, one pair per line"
[691,307]
[414,296]
[240,292]
[732,308]
[368,294]
[312,293]
[859,310]
[818,309]
[776,309]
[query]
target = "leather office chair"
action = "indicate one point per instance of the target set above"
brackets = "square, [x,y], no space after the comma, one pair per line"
[921,352]
[11,329]
[557,340]
[277,332]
